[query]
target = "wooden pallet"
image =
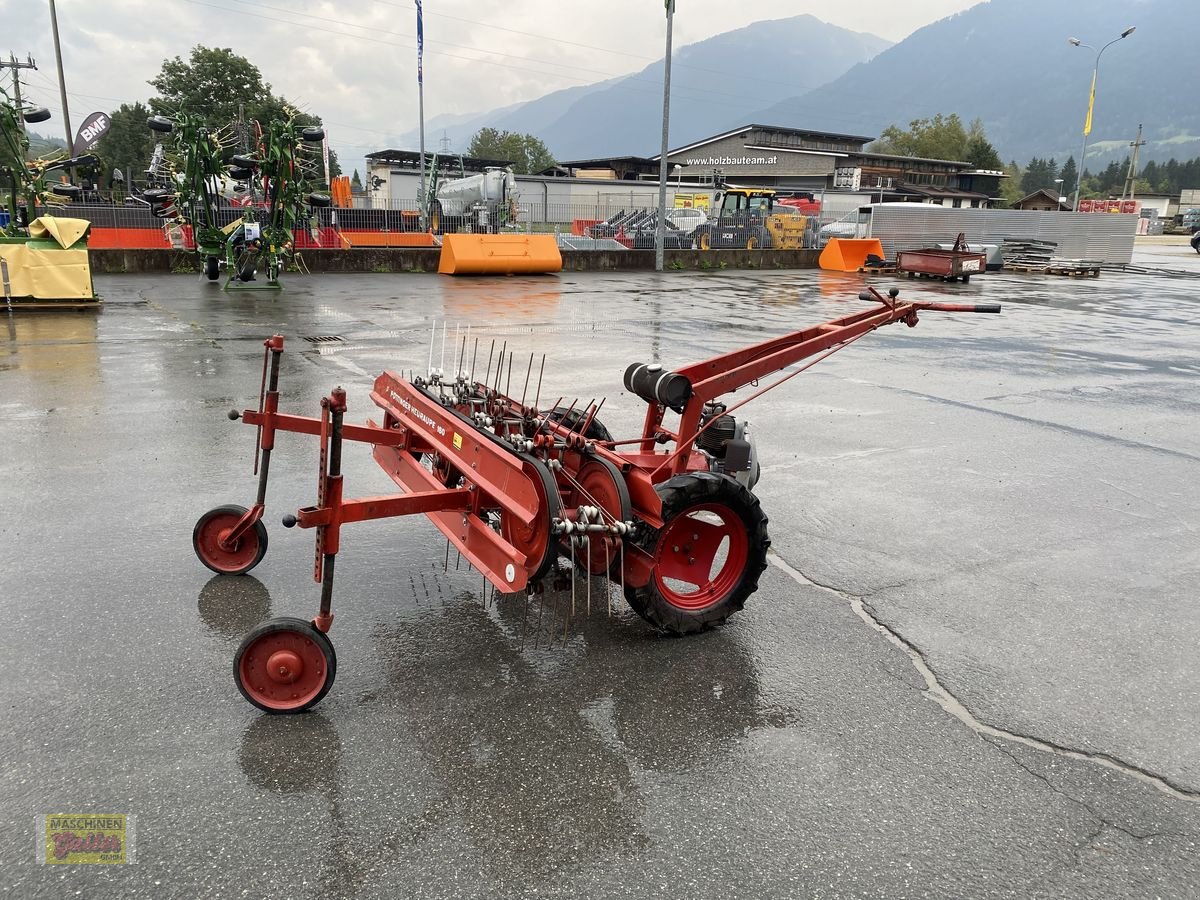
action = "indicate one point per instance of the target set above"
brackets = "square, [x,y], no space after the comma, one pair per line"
[877,270]
[1074,271]
[1065,271]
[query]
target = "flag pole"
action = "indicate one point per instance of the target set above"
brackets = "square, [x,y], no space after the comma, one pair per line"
[422,201]
[660,230]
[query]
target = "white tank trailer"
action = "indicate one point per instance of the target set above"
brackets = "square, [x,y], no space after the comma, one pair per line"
[485,199]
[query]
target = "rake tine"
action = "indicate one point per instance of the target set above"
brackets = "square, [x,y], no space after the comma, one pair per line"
[541,609]
[622,568]
[588,423]
[457,559]
[500,365]
[442,363]
[541,371]
[474,355]
[446,564]
[608,575]
[588,542]
[525,618]
[432,336]
[487,378]
[462,352]
[525,389]
[572,575]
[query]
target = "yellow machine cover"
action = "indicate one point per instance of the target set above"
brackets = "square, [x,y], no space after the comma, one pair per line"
[53,264]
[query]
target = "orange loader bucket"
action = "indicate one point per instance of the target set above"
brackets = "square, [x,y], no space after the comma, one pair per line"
[499,254]
[848,254]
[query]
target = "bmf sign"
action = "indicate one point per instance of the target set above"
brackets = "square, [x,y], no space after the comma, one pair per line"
[93,128]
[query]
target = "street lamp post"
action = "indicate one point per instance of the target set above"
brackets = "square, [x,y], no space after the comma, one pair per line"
[1058,196]
[1087,123]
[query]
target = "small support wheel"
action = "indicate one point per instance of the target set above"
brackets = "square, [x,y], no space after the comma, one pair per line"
[212,268]
[707,556]
[285,665]
[208,540]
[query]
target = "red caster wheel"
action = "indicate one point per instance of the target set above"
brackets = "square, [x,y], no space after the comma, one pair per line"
[285,665]
[236,559]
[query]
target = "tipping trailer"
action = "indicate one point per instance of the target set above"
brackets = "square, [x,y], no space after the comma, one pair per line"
[669,516]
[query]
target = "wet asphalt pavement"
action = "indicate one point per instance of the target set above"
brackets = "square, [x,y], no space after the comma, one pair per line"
[970,671]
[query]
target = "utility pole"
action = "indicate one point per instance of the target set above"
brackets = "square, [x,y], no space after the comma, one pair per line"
[1133,165]
[62,82]
[16,65]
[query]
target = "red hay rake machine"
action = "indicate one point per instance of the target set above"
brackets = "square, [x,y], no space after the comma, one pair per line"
[669,517]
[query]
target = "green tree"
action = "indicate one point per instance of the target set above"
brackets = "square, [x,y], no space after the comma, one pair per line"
[222,87]
[979,150]
[527,153]
[1010,187]
[356,183]
[1069,175]
[981,154]
[1039,175]
[127,145]
[942,137]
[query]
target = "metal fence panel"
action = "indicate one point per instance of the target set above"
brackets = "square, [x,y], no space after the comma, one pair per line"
[1104,237]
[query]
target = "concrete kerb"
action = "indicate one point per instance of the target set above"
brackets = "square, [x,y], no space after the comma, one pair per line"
[397,260]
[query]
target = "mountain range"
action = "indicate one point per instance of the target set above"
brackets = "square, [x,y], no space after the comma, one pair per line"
[712,81]
[1007,62]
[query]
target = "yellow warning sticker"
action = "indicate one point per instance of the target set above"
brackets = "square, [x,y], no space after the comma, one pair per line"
[457,441]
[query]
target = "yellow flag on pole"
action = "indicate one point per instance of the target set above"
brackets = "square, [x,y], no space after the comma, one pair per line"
[1087,124]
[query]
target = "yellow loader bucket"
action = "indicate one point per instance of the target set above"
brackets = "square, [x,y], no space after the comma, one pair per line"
[499,254]
[848,254]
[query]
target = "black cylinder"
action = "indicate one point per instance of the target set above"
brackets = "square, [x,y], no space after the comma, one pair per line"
[654,385]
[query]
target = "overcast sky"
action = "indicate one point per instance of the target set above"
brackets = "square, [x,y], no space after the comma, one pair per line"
[353,62]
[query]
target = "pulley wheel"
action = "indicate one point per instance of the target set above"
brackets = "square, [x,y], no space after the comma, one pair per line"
[599,483]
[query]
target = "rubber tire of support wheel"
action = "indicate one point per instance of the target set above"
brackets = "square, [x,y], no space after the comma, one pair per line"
[743,527]
[212,268]
[298,642]
[250,550]
[573,418]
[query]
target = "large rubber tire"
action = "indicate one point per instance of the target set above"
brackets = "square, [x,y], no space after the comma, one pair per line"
[212,268]
[573,418]
[708,555]
[285,665]
[244,556]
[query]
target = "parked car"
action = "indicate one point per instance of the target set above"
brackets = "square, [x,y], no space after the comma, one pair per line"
[687,220]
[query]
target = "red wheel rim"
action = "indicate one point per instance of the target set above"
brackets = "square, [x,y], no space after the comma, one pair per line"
[213,530]
[283,669]
[700,557]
